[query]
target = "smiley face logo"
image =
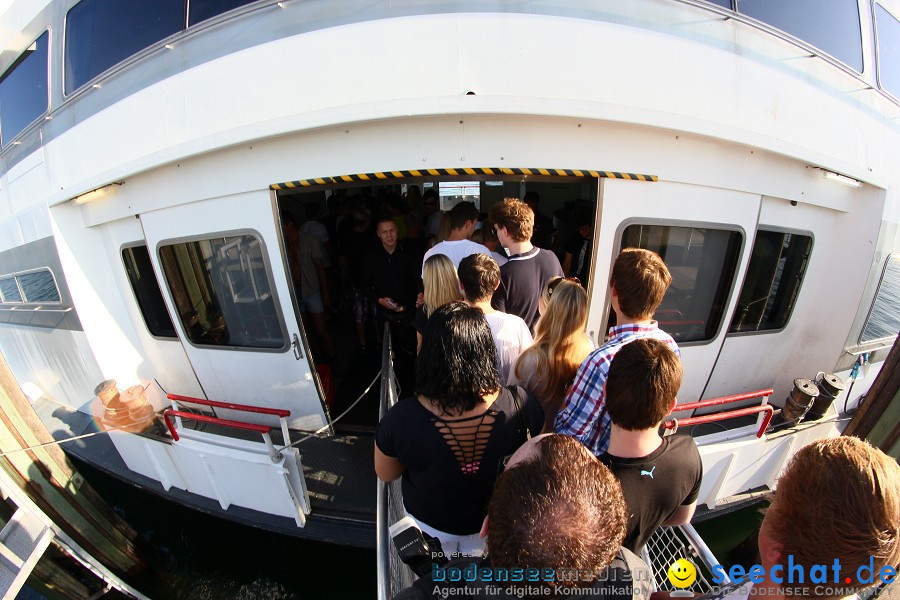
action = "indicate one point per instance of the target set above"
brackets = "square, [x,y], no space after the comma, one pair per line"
[682,573]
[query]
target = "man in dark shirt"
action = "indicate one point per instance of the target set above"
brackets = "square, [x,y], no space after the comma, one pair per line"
[542,236]
[523,277]
[354,247]
[577,258]
[837,504]
[558,511]
[391,275]
[660,476]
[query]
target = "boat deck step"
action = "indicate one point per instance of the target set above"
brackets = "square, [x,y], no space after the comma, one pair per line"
[23,541]
[339,469]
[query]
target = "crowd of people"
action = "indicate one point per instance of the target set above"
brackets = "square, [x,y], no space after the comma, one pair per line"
[367,256]
[527,445]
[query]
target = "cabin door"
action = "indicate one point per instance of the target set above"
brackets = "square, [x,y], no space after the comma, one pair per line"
[704,235]
[798,299]
[224,278]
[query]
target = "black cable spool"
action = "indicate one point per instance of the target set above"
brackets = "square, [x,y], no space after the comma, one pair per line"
[830,387]
[796,405]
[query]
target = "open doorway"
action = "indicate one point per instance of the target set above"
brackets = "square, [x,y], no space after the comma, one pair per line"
[341,218]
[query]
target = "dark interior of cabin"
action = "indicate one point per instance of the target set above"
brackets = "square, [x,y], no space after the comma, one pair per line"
[356,355]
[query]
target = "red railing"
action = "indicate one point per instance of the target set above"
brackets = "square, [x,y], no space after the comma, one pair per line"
[207,419]
[281,413]
[730,414]
[278,412]
[262,429]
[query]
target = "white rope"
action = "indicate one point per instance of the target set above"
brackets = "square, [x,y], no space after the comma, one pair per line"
[336,419]
[312,435]
[71,439]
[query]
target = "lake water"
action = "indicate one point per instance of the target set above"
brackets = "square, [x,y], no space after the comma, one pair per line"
[198,556]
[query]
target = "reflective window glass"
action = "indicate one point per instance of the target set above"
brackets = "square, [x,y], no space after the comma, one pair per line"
[222,292]
[147,292]
[884,319]
[200,10]
[23,90]
[101,33]
[39,286]
[887,30]
[722,3]
[9,290]
[831,25]
[774,275]
[702,262]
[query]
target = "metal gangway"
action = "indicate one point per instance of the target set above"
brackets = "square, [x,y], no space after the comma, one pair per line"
[27,535]
[666,546]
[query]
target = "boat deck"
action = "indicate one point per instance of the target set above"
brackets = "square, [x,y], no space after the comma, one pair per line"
[339,472]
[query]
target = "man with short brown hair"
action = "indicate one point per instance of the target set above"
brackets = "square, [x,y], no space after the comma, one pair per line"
[523,277]
[660,477]
[638,283]
[837,503]
[463,219]
[479,276]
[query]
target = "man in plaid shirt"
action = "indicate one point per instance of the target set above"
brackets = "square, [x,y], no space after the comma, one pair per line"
[638,283]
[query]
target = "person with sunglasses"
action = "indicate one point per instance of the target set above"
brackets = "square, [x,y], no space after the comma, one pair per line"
[547,367]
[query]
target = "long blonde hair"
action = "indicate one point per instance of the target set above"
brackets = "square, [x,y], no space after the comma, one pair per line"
[441,283]
[560,344]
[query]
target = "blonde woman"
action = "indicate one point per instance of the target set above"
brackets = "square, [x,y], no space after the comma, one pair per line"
[441,287]
[547,368]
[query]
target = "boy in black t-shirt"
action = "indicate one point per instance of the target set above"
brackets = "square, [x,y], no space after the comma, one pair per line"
[660,477]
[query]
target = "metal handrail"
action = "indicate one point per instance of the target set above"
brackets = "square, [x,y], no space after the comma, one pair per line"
[723,400]
[722,416]
[383,541]
[705,555]
[281,413]
[393,574]
[262,429]
[730,414]
[383,548]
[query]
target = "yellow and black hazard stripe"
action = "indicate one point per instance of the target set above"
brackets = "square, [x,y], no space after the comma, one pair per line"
[381,176]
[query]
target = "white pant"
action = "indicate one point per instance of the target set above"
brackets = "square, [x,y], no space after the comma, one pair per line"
[454,545]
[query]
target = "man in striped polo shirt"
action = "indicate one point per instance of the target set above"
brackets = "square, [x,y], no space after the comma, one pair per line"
[639,281]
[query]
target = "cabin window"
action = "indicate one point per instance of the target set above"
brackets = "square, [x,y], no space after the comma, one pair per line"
[147,292]
[102,33]
[887,30]
[702,262]
[23,90]
[9,290]
[722,3]
[777,265]
[200,10]
[223,292]
[831,25]
[884,318]
[38,286]
[35,287]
